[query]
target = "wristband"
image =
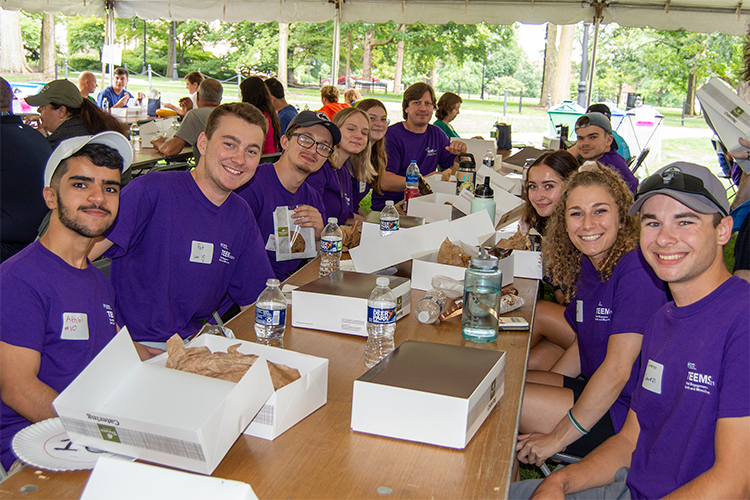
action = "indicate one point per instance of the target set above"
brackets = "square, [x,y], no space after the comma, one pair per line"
[575,423]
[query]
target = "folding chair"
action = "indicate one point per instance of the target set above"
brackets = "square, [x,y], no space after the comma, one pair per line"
[641,159]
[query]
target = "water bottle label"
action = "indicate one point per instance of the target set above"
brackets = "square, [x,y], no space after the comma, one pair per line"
[381,316]
[489,163]
[270,317]
[389,225]
[330,245]
[412,178]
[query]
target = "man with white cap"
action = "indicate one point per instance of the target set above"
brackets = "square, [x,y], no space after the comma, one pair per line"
[689,421]
[595,142]
[56,309]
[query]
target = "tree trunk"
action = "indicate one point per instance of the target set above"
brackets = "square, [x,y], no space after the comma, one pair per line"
[170,50]
[370,42]
[399,60]
[434,74]
[690,108]
[12,59]
[283,52]
[348,70]
[550,61]
[49,53]
[563,69]
[744,91]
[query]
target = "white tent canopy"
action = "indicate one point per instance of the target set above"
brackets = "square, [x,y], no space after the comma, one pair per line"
[706,16]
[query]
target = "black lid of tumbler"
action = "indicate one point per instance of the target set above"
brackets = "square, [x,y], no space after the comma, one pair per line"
[484,190]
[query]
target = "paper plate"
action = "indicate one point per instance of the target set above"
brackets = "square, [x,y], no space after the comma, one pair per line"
[46,445]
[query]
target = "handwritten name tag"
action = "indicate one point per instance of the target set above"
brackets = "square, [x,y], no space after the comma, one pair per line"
[75,326]
[579,311]
[652,377]
[201,252]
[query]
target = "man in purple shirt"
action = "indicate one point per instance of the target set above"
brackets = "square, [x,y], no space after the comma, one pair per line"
[56,309]
[689,418]
[414,139]
[595,142]
[184,240]
[308,141]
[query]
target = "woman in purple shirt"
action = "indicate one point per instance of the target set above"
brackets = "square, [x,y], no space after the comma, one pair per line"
[378,127]
[591,248]
[350,161]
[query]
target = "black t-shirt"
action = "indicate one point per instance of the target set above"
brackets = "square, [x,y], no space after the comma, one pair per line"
[23,157]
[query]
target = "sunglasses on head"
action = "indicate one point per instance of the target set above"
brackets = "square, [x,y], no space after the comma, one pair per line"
[676,179]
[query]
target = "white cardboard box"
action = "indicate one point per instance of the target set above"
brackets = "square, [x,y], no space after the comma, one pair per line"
[379,254]
[512,185]
[431,393]
[122,480]
[527,264]
[151,130]
[150,412]
[508,207]
[294,401]
[425,266]
[438,185]
[338,302]
[433,206]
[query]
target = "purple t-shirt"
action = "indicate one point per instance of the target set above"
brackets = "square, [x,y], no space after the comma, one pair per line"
[64,313]
[613,160]
[334,185]
[264,193]
[402,146]
[695,370]
[176,254]
[623,304]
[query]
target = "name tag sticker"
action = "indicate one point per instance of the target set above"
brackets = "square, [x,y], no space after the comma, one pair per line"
[652,377]
[201,252]
[75,326]
[579,311]
[271,243]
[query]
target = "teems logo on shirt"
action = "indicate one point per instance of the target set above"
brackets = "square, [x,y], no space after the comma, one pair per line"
[603,313]
[430,151]
[226,255]
[699,382]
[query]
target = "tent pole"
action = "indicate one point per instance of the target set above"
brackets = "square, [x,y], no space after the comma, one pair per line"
[336,45]
[599,6]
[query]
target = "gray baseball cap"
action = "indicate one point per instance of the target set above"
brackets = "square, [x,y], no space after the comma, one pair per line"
[598,120]
[60,92]
[692,185]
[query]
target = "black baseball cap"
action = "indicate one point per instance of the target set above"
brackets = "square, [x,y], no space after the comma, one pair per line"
[311,118]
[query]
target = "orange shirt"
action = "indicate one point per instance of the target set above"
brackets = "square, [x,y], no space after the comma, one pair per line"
[333,108]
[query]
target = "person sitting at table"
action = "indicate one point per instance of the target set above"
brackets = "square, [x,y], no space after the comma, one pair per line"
[329,96]
[184,240]
[414,139]
[308,142]
[57,310]
[209,96]
[65,113]
[116,96]
[448,108]
[591,248]
[22,165]
[350,161]
[285,110]
[352,96]
[255,92]
[378,127]
[192,84]
[87,85]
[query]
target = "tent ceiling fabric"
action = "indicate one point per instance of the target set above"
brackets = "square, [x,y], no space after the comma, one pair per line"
[693,15]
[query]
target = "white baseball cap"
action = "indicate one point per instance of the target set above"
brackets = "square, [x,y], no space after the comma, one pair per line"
[69,147]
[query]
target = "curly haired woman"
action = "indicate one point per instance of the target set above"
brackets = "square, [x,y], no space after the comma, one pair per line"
[591,248]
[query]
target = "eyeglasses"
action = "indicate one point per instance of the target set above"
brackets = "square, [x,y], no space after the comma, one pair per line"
[674,178]
[374,119]
[307,142]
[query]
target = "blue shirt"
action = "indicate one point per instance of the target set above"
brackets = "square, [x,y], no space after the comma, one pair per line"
[113,98]
[285,116]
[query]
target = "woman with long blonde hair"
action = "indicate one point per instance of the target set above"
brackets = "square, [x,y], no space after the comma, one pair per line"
[591,249]
[350,160]
[378,127]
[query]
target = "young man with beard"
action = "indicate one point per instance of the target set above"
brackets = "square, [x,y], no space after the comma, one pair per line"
[56,309]
[414,139]
[307,143]
[184,240]
[689,420]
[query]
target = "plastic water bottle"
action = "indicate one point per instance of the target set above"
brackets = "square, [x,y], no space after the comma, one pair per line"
[431,306]
[388,219]
[482,289]
[381,322]
[489,159]
[105,105]
[412,183]
[331,242]
[270,315]
[135,136]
